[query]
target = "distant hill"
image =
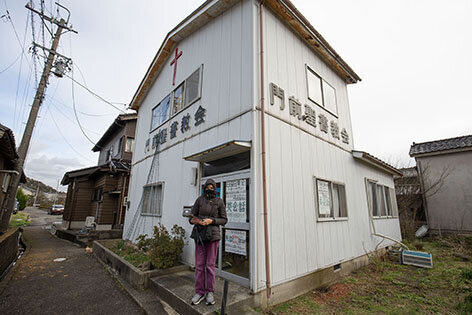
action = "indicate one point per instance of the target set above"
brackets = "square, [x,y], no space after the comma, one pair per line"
[33,185]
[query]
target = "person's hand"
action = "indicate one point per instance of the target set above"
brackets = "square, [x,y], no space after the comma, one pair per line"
[195,220]
[206,222]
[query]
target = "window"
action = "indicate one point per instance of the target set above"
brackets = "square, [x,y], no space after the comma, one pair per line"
[321,92]
[129,145]
[160,113]
[120,146]
[109,154]
[314,87]
[187,93]
[178,99]
[6,182]
[192,88]
[152,199]
[329,98]
[381,200]
[97,194]
[331,200]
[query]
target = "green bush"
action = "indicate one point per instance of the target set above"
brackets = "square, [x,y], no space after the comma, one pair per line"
[163,248]
[22,199]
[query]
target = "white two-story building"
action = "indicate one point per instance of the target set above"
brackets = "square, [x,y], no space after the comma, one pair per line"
[254,97]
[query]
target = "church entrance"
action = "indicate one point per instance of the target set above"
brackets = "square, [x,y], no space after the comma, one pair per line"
[229,165]
[234,248]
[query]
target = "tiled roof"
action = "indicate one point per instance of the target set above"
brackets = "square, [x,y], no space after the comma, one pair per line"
[441,145]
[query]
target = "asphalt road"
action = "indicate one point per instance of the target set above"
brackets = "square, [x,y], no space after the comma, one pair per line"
[77,285]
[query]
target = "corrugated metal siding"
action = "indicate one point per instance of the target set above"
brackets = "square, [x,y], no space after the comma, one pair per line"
[296,152]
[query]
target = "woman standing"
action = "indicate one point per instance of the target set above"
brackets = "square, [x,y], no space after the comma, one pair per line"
[208,212]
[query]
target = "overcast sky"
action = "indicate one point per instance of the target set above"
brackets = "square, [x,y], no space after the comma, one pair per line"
[414,58]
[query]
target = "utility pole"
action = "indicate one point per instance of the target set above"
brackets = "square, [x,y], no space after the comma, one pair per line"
[38,99]
[36,196]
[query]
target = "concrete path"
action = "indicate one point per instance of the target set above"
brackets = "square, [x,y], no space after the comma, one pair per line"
[77,285]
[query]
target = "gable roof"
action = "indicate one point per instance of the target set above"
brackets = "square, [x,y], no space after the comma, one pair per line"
[457,144]
[110,167]
[210,9]
[117,124]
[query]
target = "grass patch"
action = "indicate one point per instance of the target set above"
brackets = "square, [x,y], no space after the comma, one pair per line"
[386,287]
[20,219]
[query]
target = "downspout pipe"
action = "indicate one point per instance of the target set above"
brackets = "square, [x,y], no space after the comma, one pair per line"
[263,154]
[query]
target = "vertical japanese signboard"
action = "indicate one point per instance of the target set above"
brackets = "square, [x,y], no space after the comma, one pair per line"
[236,207]
[324,200]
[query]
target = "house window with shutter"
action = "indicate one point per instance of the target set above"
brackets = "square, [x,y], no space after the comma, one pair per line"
[381,200]
[152,199]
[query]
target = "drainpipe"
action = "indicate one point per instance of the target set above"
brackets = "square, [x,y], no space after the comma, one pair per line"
[263,155]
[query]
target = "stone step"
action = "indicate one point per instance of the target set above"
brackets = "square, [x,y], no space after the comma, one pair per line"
[177,289]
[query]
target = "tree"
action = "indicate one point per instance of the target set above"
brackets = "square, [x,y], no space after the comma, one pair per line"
[22,198]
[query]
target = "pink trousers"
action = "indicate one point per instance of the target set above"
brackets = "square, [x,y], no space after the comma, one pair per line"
[205,260]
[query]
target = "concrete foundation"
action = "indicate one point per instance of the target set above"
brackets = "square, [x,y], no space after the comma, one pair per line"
[289,290]
[137,278]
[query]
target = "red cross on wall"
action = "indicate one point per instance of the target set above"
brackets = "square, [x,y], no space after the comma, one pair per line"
[174,63]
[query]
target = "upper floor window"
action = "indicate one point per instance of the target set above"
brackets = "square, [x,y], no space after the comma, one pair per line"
[381,200]
[129,144]
[187,93]
[331,199]
[160,113]
[6,182]
[97,194]
[178,102]
[321,92]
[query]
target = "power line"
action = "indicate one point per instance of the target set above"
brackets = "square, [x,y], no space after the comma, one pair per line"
[60,132]
[11,65]
[54,102]
[75,110]
[96,95]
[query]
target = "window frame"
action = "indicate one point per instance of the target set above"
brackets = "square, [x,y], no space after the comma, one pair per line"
[393,208]
[171,101]
[95,194]
[129,139]
[317,206]
[185,106]
[6,182]
[161,201]
[309,69]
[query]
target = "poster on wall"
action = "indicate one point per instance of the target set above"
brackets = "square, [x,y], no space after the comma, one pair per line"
[235,242]
[236,200]
[324,199]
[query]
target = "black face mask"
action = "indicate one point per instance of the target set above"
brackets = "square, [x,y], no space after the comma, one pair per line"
[210,193]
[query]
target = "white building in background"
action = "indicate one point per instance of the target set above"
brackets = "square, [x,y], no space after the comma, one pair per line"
[199,116]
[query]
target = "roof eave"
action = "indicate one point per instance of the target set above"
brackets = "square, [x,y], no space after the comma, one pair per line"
[440,152]
[369,159]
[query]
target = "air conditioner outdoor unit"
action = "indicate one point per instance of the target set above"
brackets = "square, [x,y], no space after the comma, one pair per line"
[419,259]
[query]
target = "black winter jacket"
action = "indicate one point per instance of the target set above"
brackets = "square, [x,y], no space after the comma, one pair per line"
[213,208]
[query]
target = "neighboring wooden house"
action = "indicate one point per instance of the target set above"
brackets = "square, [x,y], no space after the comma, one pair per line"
[8,156]
[199,116]
[445,169]
[100,191]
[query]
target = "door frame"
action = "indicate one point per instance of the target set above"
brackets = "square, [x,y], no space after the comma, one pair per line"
[244,174]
